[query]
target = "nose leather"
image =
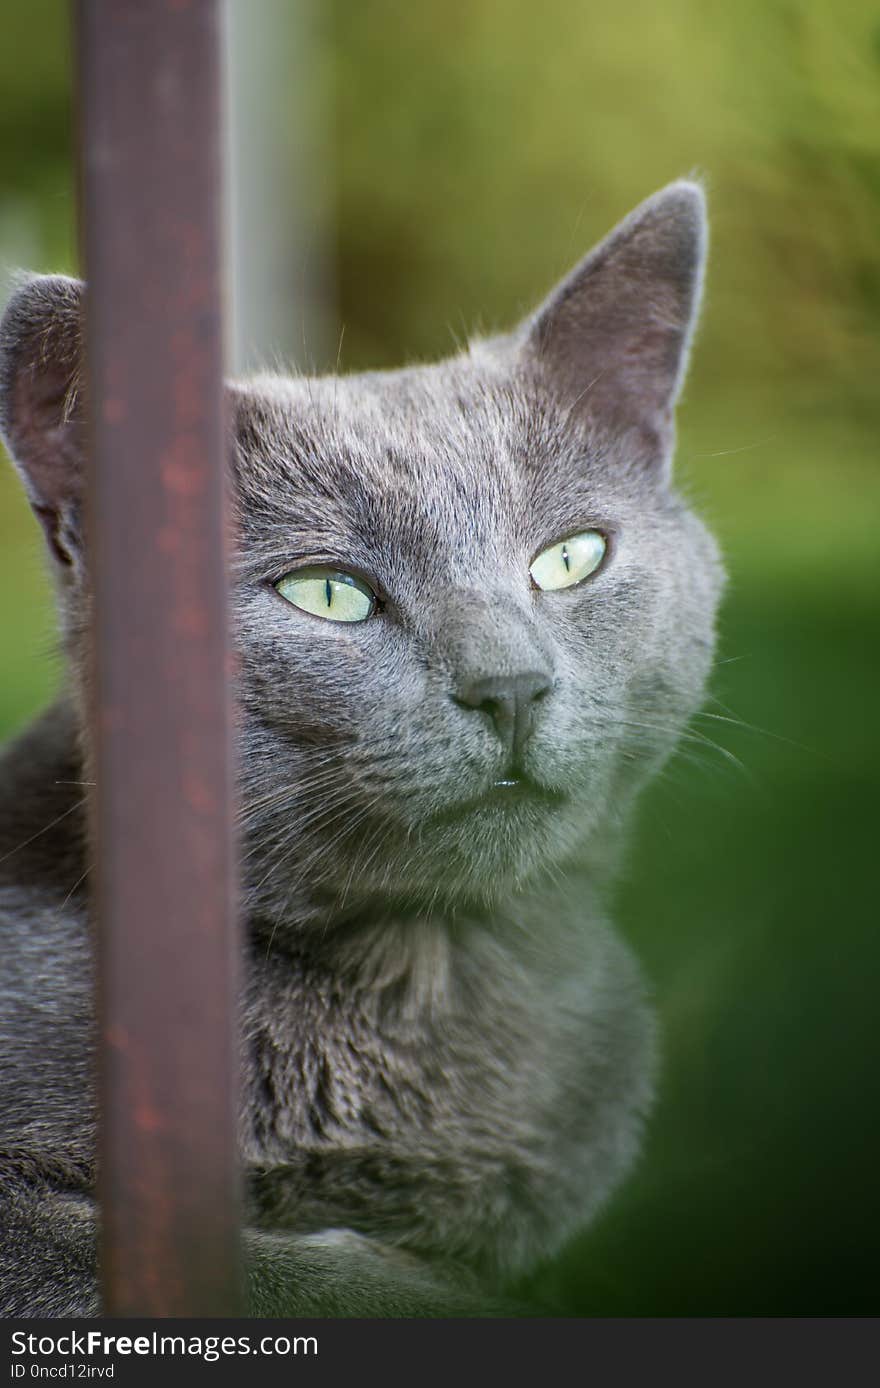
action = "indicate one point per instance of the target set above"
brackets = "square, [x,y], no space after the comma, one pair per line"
[509,701]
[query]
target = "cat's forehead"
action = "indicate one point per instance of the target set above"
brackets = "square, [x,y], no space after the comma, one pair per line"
[451,452]
[413,430]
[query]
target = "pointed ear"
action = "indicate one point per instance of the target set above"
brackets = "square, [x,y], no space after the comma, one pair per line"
[41,418]
[612,340]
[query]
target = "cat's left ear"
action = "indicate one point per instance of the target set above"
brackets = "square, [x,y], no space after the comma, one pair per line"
[41,416]
[611,342]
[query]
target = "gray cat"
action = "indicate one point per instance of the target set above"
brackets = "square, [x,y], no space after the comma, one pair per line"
[473,618]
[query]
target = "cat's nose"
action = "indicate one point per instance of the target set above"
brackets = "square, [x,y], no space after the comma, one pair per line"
[510,701]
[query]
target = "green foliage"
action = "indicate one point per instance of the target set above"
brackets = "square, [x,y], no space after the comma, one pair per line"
[481,148]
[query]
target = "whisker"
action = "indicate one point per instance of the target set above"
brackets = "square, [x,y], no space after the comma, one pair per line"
[33,838]
[738,722]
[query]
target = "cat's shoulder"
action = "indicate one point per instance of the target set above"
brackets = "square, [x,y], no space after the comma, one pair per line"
[44,937]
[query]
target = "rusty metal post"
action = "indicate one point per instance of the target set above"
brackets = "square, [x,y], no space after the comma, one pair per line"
[148,78]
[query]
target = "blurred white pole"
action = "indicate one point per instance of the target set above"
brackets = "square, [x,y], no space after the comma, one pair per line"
[280,296]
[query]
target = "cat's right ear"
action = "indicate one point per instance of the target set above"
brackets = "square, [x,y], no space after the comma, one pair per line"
[612,341]
[41,416]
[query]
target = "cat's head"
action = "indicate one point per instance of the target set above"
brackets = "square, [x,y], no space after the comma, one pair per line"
[472,614]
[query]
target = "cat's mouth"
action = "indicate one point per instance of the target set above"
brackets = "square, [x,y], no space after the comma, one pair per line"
[509,792]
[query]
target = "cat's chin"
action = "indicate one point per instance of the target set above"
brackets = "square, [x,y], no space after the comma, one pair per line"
[478,852]
[470,858]
[469,854]
[505,798]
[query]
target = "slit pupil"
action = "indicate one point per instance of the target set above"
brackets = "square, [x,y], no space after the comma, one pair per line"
[328,592]
[565,559]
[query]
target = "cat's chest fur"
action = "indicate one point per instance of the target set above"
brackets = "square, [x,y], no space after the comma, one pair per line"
[461,1092]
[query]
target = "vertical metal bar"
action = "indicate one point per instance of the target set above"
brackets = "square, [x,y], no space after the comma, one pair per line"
[150,126]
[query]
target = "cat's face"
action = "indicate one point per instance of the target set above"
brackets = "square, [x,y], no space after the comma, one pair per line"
[373,749]
[482,718]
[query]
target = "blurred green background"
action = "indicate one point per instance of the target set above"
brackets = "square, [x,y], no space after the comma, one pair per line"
[476,150]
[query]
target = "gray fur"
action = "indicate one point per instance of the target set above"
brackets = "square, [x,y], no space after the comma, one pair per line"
[447,1051]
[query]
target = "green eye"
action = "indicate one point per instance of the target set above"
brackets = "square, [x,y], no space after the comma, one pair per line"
[328,593]
[569,561]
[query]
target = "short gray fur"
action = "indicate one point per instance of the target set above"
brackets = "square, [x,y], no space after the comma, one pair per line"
[448,1053]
